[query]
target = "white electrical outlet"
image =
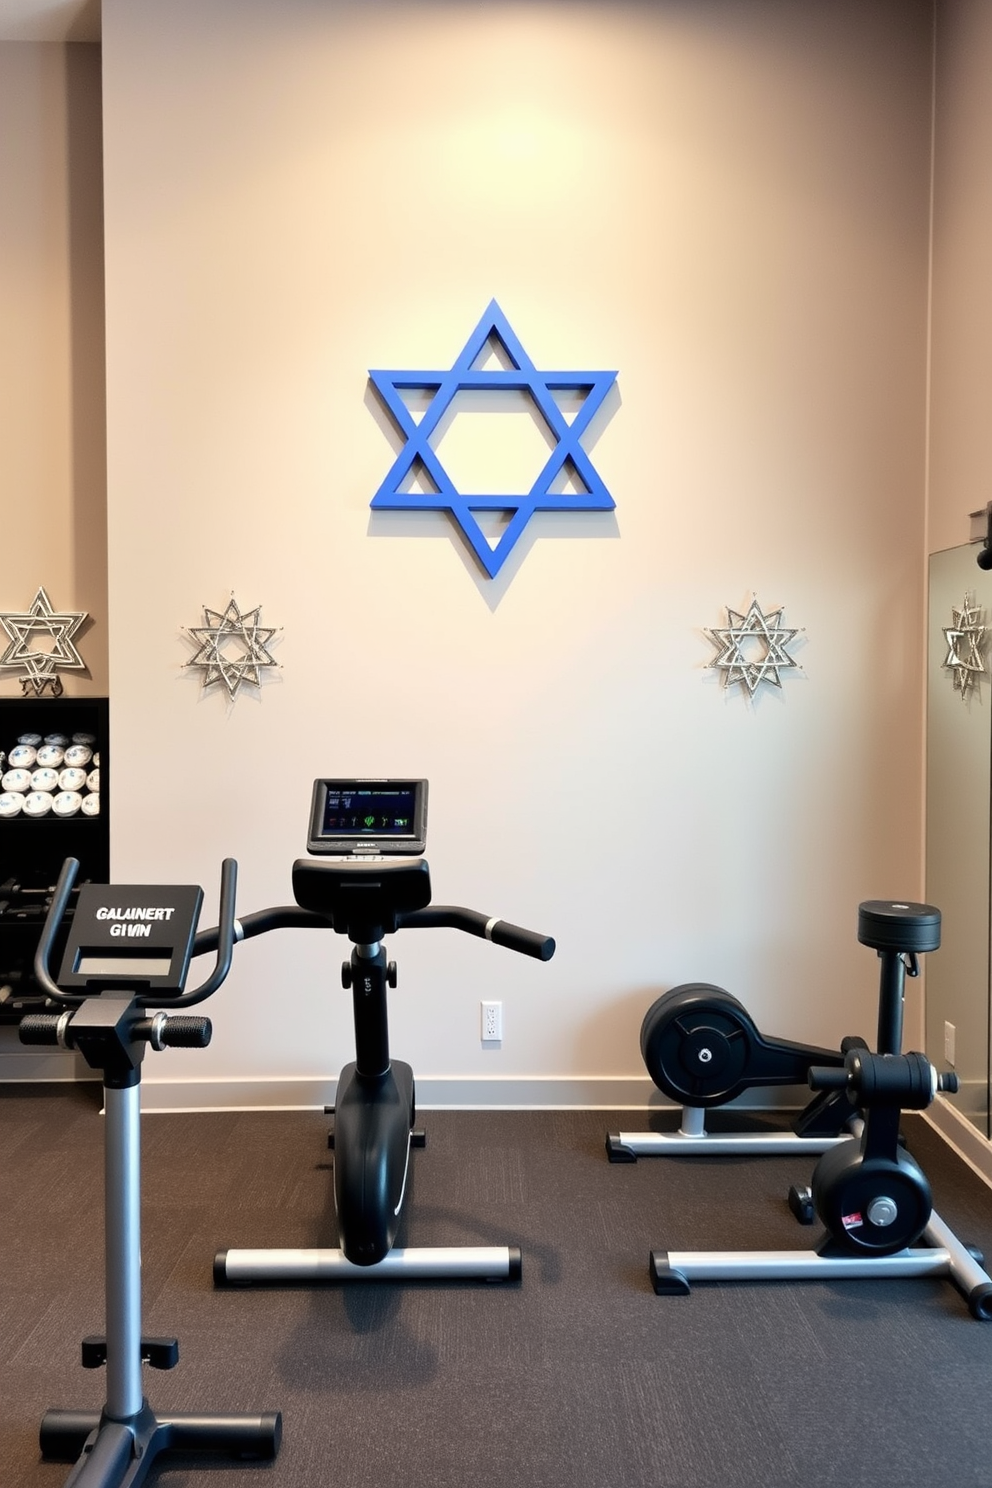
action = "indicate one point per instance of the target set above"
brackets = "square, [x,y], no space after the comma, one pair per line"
[949,1036]
[492,1022]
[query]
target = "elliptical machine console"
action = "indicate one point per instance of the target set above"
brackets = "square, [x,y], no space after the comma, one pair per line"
[128,951]
[365,880]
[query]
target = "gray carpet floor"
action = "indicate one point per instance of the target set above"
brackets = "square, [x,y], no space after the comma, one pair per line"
[577,1377]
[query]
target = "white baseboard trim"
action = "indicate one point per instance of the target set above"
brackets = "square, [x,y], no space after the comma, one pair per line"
[959,1134]
[464,1093]
[434,1093]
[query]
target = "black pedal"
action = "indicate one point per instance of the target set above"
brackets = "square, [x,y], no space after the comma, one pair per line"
[160,1353]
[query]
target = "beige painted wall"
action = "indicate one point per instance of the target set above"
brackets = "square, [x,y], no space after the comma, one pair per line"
[52,404]
[728,203]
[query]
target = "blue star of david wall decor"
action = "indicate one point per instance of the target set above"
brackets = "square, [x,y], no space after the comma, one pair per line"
[567,459]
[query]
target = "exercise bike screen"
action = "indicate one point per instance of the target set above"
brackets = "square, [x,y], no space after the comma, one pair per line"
[387,811]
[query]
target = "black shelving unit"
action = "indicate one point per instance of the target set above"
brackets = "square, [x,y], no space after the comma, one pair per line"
[33,849]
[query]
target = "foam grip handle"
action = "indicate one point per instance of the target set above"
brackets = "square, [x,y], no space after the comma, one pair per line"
[182,1031]
[527,942]
[39,1028]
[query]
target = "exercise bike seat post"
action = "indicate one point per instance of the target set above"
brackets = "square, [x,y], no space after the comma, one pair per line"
[900,932]
[128,951]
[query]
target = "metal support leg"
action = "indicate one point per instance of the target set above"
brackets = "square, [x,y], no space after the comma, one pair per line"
[453,1263]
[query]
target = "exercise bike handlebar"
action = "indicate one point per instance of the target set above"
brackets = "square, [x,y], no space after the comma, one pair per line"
[473,922]
[225,938]
[279,917]
[53,920]
[221,939]
[450,916]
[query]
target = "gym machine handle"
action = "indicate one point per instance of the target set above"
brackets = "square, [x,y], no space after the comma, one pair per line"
[907,1081]
[39,1028]
[500,932]
[823,1078]
[225,938]
[281,917]
[53,920]
[161,1032]
[175,1031]
[222,938]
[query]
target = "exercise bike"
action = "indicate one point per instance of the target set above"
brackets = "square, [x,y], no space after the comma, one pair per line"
[702,1049]
[870,1195]
[377,885]
[129,951]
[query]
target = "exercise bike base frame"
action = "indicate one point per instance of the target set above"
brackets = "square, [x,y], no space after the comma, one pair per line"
[122,1452]
[943,1255]
[693,1140]
[432,1263]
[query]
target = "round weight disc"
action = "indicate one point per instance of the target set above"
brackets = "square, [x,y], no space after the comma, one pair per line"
[849,1190]
[897,925]
[696,1042]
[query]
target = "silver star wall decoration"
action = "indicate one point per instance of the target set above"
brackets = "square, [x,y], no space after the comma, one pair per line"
[966,640]
[41,644]
[753,647]
[232,647]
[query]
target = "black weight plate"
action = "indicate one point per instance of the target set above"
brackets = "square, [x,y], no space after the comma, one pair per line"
[696,1042]
[845,1186]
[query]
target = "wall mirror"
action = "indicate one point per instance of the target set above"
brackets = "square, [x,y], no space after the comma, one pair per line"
[959,833]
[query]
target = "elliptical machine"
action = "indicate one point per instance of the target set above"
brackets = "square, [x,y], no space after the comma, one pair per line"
[702,1049]
[871,1196]
[372,891]
[128,951]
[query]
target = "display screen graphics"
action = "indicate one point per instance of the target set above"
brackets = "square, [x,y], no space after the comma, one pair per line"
[370,811]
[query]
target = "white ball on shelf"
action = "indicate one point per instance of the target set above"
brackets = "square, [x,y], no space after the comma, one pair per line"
[78,754]
[23,756]
[91,804]
[66,803]
[37,803]
[50,755]
[16,780]
[72,779]
[45,780]
[93,780]
[11,803]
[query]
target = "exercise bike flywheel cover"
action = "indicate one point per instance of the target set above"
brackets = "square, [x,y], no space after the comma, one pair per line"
[896,925]
[696,1041]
